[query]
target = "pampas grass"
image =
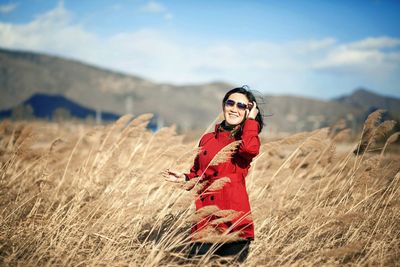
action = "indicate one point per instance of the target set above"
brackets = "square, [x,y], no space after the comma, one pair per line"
[218,184]
[392,139]
[373,130]
[77,195]
[225,153]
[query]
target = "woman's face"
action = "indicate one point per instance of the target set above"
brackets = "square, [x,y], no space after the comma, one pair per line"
[235,114]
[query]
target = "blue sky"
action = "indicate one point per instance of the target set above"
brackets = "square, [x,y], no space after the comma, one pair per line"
[319,49]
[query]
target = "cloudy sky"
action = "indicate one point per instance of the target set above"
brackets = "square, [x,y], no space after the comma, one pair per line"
[321,49]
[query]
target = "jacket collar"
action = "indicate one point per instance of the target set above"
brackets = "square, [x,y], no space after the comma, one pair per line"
[220,129]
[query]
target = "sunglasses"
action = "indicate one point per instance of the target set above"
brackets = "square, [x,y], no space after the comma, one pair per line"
[239,105]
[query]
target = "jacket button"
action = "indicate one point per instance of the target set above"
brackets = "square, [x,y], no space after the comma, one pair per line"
[212,197]
[205,152]
[215,173]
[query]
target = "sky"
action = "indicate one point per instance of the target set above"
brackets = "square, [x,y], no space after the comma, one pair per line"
[320,49]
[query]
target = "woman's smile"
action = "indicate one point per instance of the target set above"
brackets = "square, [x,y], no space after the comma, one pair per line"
[232,113]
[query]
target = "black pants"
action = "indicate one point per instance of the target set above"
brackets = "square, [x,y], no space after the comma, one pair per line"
[239,250]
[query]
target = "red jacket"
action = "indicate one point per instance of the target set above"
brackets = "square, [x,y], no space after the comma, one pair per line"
[233,196]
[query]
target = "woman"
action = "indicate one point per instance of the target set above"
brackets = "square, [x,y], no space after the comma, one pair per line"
[242,122]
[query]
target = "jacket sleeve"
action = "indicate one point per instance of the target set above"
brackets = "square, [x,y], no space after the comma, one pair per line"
[250,145]
[195,170]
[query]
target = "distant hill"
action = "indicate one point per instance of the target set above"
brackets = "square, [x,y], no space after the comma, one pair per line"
[49,106]
[365,99]
[25,74]
[294,113]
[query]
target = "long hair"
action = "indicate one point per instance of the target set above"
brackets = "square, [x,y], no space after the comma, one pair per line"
[250,96]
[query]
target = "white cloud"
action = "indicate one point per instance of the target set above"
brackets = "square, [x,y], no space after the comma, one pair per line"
[8,8]
[153,7]
[375,43]
[116,7]
[157,8]
[168,16]
[364,57]
[49,32]
[274,67]
[313,45]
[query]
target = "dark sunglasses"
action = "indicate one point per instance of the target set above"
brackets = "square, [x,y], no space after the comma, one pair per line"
[239,105]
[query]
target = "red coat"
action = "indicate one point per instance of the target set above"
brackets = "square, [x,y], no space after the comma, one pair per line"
[233,196]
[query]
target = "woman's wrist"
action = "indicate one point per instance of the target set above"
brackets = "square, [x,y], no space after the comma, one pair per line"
[251,125]
[185,178]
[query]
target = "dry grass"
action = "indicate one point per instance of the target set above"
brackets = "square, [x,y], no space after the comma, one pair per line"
[74,195]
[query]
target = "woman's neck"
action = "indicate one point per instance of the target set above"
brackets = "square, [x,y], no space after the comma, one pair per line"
[228,127]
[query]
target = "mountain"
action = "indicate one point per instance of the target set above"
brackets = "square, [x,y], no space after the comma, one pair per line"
[294,113]
[365,99]
[50,106]
[25,74]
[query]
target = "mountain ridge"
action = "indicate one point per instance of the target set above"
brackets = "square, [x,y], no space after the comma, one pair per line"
[364,98]
[23,74]
[46,106]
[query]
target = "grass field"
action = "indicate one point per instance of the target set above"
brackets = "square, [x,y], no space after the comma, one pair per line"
[80,195]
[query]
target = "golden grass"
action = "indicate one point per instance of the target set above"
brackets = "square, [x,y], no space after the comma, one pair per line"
[225,153]
[76,195]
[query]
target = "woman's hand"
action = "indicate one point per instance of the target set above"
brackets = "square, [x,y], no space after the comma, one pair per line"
[173,176]
[253,112]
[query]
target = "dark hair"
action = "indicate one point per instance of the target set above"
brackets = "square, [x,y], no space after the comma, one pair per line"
[250,96]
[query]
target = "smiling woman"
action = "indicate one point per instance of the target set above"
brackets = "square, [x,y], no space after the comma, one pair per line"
[224,226]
